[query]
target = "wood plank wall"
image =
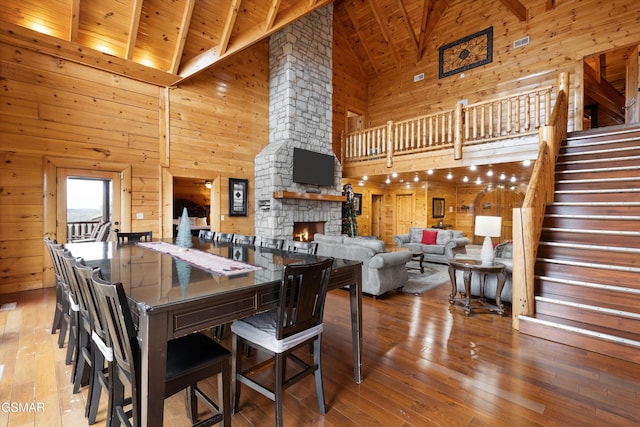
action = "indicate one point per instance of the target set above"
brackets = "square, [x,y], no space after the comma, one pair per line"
[559,39]
[219,121]
[54,108]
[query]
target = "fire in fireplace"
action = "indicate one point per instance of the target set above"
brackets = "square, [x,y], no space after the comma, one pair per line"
[304,231]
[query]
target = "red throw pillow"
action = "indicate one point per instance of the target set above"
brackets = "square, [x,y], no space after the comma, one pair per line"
[429,237]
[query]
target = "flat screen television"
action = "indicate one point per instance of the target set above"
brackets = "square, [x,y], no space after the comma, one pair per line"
[310,167]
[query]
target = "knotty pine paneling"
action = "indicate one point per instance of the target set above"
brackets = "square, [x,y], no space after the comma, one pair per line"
[559,38]
[56,108]
[219,122]
[349,86]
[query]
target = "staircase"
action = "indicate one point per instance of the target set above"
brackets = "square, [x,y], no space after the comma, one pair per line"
[587,272]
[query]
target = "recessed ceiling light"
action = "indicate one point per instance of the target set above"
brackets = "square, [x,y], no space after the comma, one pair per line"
[526,163]
[489,172]
[449,175]
[416,179]
[503,176]
[465,179]
[472,167]
[513,179]
[387,180]
[395,174]
[430,172]
[365,177]
[478,180]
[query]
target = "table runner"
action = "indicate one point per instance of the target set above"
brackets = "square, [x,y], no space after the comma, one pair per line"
[205,260]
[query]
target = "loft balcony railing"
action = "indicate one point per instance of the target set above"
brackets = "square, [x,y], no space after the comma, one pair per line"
[528,113]
[507,117]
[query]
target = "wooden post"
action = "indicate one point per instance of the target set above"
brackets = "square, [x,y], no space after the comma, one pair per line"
[457,140]
[389,144]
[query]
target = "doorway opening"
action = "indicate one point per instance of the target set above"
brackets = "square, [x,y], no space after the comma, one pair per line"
[610,88]
[88,208]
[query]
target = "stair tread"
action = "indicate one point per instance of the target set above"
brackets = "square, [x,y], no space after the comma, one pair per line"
[594,306]
[629,338]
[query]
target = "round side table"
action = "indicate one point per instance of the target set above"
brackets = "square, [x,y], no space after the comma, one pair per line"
[473,266]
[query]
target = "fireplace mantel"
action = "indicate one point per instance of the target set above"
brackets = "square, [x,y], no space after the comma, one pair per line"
[308,196]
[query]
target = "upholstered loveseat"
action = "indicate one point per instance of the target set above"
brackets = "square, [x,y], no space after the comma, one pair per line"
[381,271]
[437,245]
[504,254]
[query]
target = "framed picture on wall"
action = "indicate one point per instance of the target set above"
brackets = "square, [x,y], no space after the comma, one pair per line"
[357,202]
[437,207]
[238,197]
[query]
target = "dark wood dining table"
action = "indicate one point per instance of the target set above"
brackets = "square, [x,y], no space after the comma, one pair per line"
[171,298]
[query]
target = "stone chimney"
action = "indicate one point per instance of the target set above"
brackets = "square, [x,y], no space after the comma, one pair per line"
[300,115]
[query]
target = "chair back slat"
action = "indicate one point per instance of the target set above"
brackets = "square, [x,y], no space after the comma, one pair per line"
[74,284]
[301,247]
[206,235]
[303,291]
[131,237]
[243,239]
[224,237]
[85,284]
[271,243]
[121,336]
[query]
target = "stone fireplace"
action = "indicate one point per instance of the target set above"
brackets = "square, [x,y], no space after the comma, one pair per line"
[300,115]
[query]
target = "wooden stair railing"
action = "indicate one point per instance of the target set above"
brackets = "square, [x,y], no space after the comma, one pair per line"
[527,221]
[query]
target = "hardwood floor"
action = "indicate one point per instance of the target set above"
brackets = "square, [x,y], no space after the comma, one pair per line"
[425,364]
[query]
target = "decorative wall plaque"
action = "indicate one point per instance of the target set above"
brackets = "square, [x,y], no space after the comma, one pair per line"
[468,52]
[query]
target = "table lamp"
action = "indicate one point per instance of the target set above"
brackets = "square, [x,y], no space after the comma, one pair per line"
[488,226]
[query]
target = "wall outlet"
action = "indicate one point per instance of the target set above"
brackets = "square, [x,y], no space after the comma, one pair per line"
[221,217]
[139,215]
[418,77]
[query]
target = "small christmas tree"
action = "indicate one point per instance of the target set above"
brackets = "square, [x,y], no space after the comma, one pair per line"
[184,231]
[349,222]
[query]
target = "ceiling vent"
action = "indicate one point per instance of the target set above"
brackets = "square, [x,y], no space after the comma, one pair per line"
[521,42]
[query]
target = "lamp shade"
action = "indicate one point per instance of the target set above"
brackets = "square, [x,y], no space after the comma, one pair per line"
[488,226]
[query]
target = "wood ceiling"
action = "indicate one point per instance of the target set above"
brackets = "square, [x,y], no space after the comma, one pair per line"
[166,41]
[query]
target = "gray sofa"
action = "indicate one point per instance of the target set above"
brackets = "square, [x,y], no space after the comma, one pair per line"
[504,254]
[381,271]
[448,244]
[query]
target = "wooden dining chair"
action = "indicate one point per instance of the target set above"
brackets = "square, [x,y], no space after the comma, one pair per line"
[100,356]
[191,358]
[224,237]
[82,347]
[70,308]
[298,246]
[269,242]
[62,304]
[295,323]
[243,239]
[136,236]
[206,235]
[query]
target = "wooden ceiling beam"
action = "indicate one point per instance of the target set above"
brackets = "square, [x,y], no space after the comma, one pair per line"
[134,23]
[517,8]
[257,33]
[356,26]
[183,32]
[75,21]
[271,16]
[405,18]
[385,33]
[550,4]
[422,37]
[232,16]
[26,38]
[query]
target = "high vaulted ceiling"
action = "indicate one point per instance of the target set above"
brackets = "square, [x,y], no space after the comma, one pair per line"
[166,41]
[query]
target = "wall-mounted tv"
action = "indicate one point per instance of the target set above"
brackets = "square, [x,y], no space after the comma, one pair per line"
[310,167]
